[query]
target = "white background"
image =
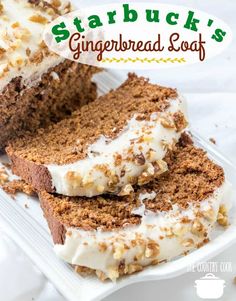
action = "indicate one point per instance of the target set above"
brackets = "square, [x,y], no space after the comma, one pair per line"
[211,94]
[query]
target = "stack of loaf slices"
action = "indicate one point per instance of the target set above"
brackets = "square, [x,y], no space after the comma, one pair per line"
[122,186]
[37,87]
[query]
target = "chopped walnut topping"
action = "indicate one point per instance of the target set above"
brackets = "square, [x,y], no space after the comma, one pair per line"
[139,256]
[165,145]
[43,45]
[152,249]
[119,251]
[67,8]
[17,62]
[5,37]
[3,69]
[104,169]
[69,233]
[38,19]
[1,8]
[4,178]
[189,242]
[118,159]
[100,188]
[74,177]
[101,276]
[222,217]
[133,268]
[56,3]
[2,52]
[202,243]
[51,12]
[122,173]
[132,180]
[209,214]
[28,52]
[197,228]
[167,122]
[22,34]
[113,274]
[179,229]
[37,57]
[185,220]
[169,232]
[126,190]
[180,121]
[113,181]
[153,170]
[155,262]
[147,138]
[160,166]
[87,181]
[145,178]
[151,154]
[102,247]
[121,267]
[139,159]
[150,169]
[15,25]
[83,270]
[5,18]
[15,44]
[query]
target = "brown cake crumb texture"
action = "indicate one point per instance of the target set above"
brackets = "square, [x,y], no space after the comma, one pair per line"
[16,186]
[130,269]
[68,140]
[192,177]
[24,110]
[212,140]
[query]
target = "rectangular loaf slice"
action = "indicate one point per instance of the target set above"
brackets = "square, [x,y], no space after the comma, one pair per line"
[157,222]
[37,87]
[107,146]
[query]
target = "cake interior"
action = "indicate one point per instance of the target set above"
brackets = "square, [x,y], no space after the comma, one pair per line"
[192,177]
[37,87]
[67,141]
[62,90]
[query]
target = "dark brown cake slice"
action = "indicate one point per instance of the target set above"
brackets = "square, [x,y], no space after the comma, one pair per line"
[106,146]
[37,87]
[163,219]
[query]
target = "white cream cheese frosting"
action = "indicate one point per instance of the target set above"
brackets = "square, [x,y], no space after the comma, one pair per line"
[159,237]
[112,165]
[21,40]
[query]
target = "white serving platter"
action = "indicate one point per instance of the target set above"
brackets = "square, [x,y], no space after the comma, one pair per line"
[27,227]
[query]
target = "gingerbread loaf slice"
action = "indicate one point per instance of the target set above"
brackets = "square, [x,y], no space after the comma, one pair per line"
[110,144]
[37,87]
[166,218]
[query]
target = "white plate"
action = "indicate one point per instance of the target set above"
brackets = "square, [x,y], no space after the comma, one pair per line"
[29,230]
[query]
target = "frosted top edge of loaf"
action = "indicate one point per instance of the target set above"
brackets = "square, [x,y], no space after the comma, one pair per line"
[22,50]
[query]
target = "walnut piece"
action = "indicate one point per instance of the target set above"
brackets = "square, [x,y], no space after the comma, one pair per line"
[38,19]
[222,217]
